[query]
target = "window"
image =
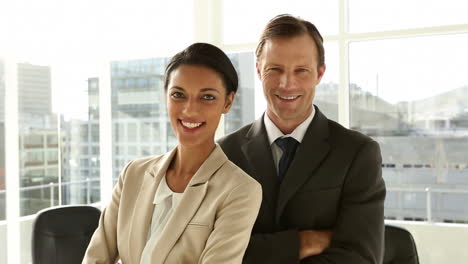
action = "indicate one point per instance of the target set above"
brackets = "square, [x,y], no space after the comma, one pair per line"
[131,132]
[52,141]
[119,131]
[145,151]
[34,157]
[118,150]
[84,163]
[2,153]
[95,151]
[33,140]
[255,14]
[52,157]
[132,151]
[410,14]
[156,133]
[95,133]
[242,111]
[419,122]
[145,131]
[85,150]
[326,94]
[171,138]
[139,106]
[84,132]
[36,125]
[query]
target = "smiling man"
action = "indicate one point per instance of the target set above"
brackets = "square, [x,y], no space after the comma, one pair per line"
[323,192]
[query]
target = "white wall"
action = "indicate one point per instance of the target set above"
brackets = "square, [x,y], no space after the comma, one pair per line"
[24,236]
[3,248]
[438,243]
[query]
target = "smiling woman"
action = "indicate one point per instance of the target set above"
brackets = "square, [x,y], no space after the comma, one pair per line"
[200,85]
[196,98]
[190,205]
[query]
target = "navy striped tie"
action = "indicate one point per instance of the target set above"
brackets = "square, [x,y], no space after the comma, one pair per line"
[289,146]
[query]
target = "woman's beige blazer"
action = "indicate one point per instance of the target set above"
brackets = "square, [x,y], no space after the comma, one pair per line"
[212,223]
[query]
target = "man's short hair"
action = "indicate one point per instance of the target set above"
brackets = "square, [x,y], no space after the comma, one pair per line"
[289,26]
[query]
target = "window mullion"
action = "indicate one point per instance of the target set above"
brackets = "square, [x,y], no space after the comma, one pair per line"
[105,133]
[12,162]
[343,42]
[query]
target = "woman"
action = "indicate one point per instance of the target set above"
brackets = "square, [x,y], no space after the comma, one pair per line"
[191,205]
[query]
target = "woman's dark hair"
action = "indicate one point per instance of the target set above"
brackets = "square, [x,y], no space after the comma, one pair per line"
[207,55]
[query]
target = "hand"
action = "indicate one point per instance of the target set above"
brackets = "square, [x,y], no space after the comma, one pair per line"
[313,242]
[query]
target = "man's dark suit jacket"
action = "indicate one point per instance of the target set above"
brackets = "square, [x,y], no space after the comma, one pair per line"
[334,182]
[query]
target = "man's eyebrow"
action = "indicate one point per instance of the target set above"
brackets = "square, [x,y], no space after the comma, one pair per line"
[272,64]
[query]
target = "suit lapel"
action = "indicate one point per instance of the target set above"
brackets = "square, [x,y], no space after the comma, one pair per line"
[258,153]
[143,212]
[310,153]
[189,204]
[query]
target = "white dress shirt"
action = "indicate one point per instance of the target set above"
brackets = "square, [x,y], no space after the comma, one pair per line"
[165,201]
[274,133]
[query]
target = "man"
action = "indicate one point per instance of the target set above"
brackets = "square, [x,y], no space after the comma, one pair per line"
[323,193]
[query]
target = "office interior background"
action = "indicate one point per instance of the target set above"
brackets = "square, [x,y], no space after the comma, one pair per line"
[81,95]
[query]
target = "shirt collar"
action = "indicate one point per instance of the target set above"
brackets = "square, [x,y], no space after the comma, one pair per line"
[298,133]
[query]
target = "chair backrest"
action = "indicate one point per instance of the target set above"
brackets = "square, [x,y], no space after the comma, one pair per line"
[62,234]
[399,246]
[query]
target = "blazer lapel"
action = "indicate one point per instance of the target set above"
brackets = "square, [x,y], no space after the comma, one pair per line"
[143,212]
[188,205]
[258,153]
[310,153]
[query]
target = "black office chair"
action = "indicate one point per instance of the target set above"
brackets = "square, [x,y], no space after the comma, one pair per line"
[399,246]
[62,234]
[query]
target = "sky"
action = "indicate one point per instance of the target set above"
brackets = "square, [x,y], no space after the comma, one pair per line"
[410,69]
[77,39]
